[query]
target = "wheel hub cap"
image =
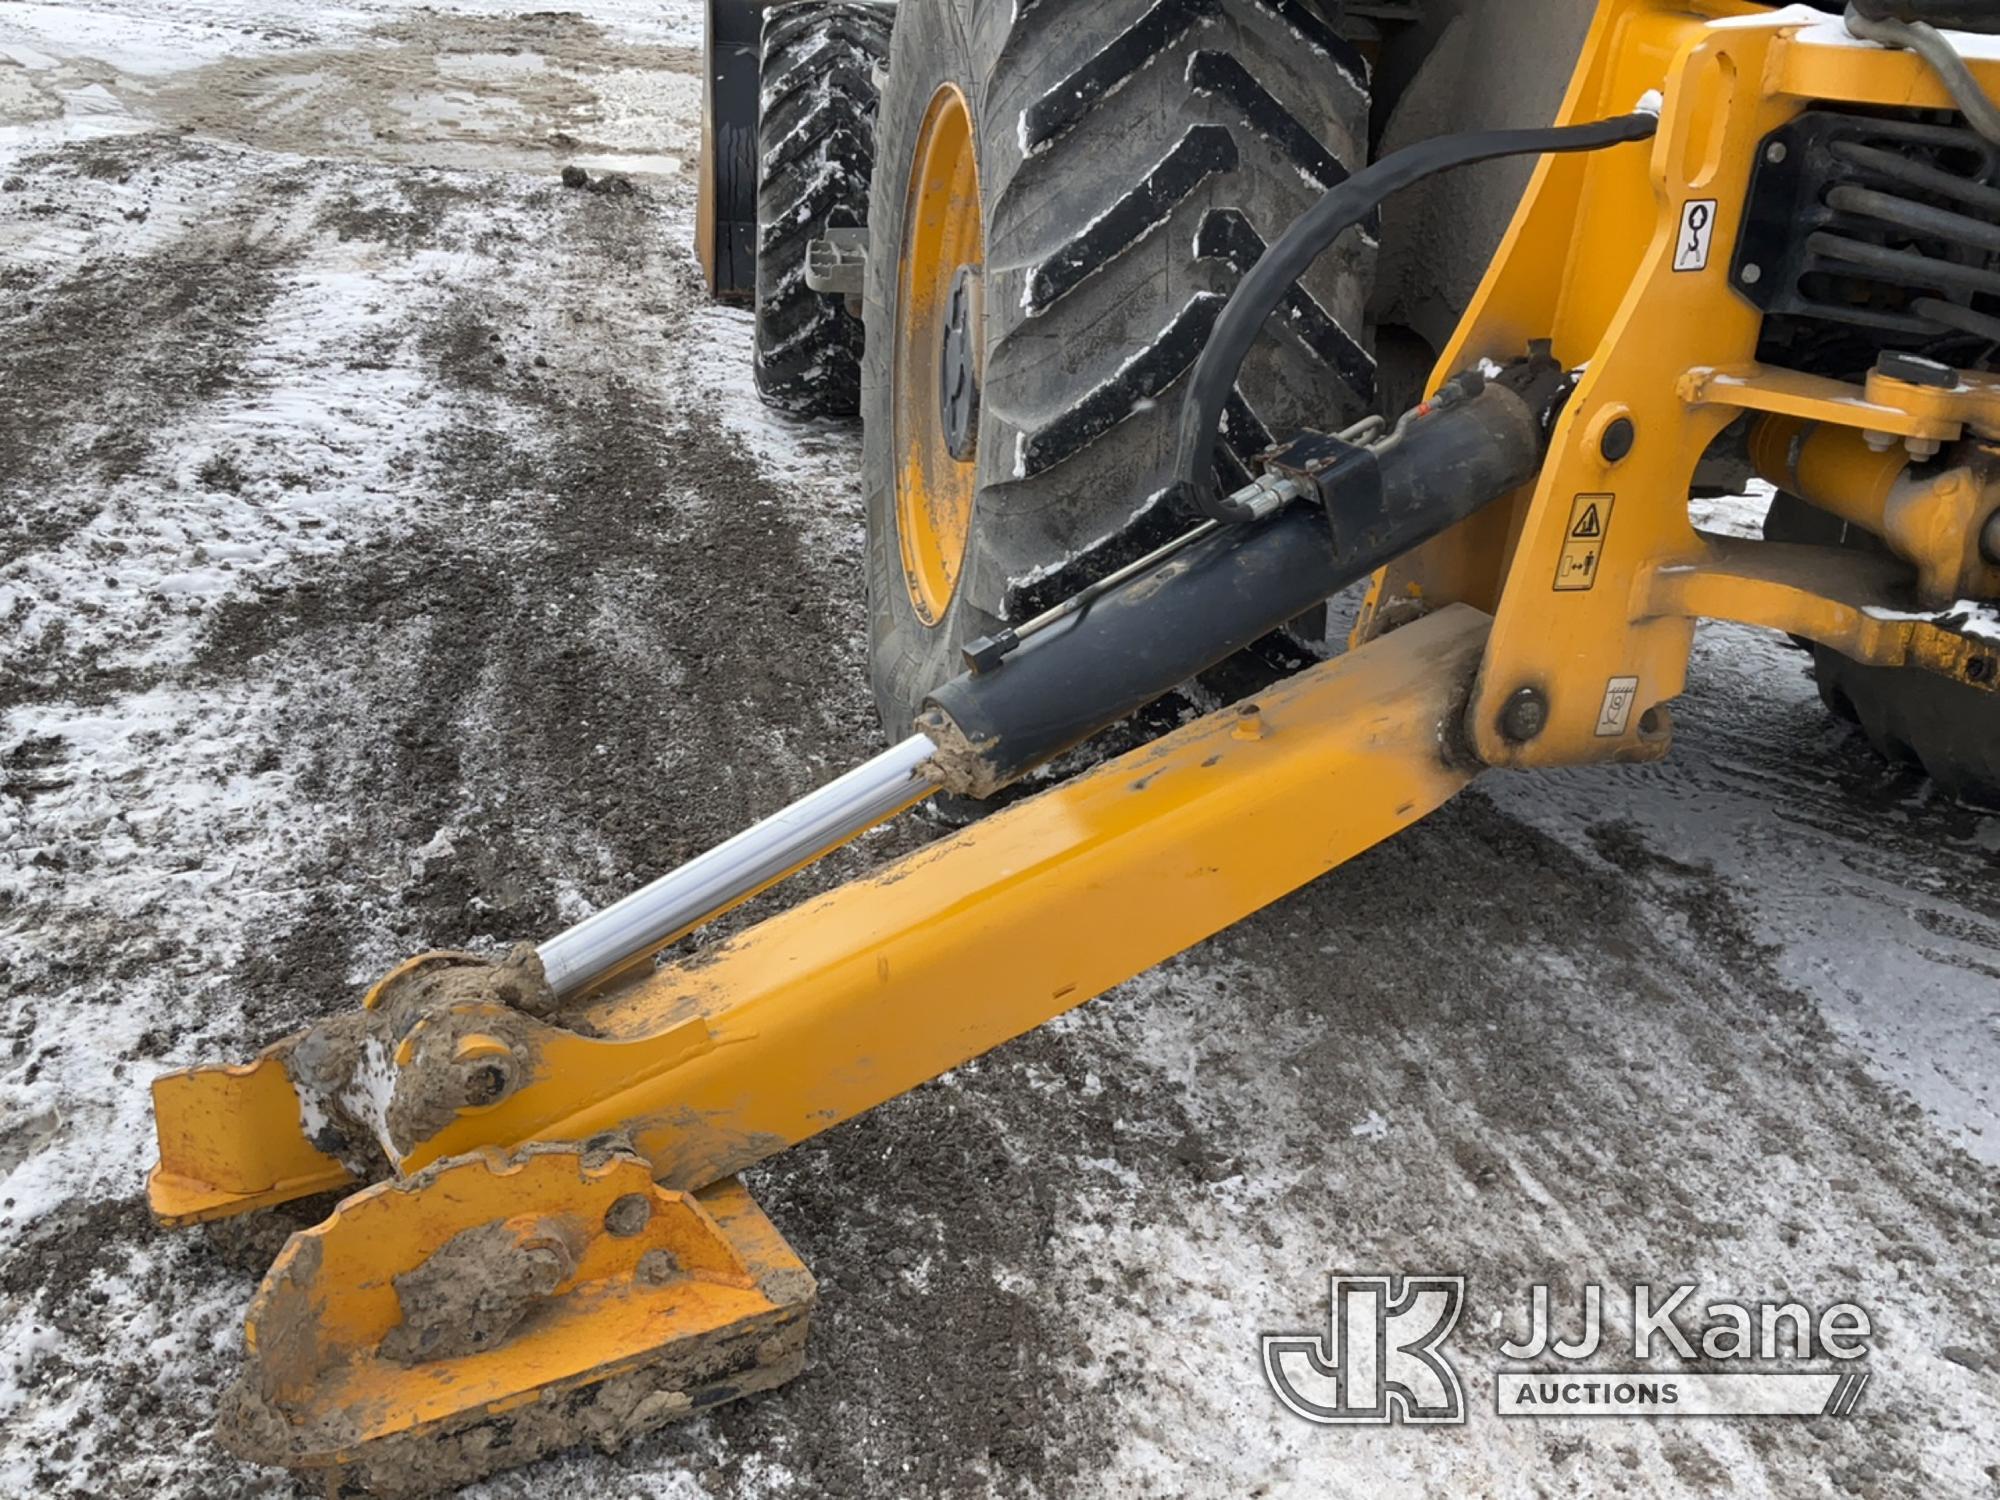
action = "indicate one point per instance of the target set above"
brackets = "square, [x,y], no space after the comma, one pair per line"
[958,386]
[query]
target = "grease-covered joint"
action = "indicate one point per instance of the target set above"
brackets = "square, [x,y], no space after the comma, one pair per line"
[439,1035]
[517,981]
[961,766]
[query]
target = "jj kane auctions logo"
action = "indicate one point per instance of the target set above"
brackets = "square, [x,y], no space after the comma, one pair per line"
[1381,1358]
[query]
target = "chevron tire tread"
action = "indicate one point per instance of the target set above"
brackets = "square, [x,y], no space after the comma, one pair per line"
[815,154]
[1135,158]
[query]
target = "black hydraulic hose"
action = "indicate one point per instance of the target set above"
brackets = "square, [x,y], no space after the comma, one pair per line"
[1258,295]
[1900,169]
[1953,15]
[1920,35]
[1980,234]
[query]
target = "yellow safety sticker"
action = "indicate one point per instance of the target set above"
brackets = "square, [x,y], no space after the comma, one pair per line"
[1583,545]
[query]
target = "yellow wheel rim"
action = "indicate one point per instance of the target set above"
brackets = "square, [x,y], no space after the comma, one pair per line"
[938,352]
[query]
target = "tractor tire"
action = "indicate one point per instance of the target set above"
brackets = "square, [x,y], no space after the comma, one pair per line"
[1067,192]
[1912,717]
[815,155]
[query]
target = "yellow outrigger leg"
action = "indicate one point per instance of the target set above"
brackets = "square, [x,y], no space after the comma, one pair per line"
[697,1070]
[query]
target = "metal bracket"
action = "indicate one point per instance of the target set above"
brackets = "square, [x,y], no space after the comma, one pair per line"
[837,264]
[500,1306]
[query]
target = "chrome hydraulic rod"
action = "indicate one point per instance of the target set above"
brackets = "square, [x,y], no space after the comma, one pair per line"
[1118,646]
[711,883]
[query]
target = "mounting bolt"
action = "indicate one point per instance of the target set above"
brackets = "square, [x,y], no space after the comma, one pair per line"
[1775,152]
[1923,449]
[1525,715]
[1878,442]
[486,1069]
[1751,274]
[1616,443]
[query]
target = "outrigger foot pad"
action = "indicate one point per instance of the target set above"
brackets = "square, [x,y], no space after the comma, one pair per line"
[497,1307]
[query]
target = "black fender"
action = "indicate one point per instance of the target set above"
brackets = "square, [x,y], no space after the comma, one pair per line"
[725,226]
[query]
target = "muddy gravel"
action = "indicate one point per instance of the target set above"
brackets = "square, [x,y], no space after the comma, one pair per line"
[392,556]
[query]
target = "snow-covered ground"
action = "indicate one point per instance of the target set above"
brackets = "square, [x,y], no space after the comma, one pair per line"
[393,555]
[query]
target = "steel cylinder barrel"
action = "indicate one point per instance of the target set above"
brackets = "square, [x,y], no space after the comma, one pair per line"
[1141,639]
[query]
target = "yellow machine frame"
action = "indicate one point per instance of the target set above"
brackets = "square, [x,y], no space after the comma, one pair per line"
[1597,627]
[1550,629]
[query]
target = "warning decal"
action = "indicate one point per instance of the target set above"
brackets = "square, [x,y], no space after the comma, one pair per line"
[1616,714]
[1583,544]
[1697,234]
